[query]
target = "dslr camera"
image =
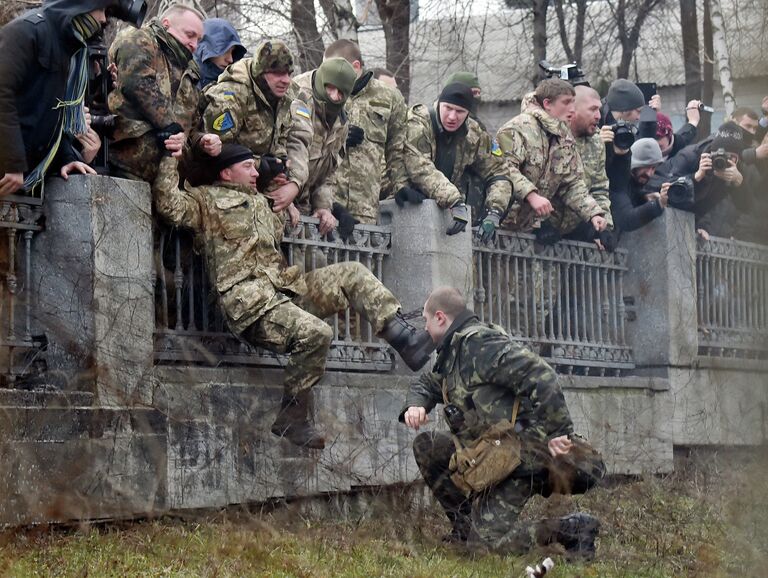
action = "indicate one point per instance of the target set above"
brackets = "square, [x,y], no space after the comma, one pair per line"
[570,72]
[454,417]
[130,11]
[680,194]
[624,134]
[720,160]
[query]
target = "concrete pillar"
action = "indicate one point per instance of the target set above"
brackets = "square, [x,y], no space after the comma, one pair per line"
[93,287]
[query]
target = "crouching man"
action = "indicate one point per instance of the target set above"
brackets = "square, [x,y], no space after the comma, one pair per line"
[265,302]
[483,378]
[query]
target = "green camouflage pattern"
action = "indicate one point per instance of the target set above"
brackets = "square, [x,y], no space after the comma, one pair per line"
[476,150]
[237,110]
[542,157]
[592,152]
[380,111]
[152,92]
[272,56]
[268,303]
[325,149]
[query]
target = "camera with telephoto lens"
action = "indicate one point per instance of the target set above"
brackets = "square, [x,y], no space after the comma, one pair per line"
[130,11]
[570,72]
[680,194]
[454,417]
[624,134]
[719,160]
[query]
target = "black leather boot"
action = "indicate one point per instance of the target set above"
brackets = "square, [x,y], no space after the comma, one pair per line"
[576,533]
[292,423]
[413,345]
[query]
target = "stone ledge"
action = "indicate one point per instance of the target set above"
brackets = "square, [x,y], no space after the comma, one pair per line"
[41,399]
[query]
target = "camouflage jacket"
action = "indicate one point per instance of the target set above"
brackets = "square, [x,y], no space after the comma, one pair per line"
[237,110]
[484,371]
[474,148]
[326,148]
[152,92]
[380,111]
[592,152]
[241,237]
[542,157]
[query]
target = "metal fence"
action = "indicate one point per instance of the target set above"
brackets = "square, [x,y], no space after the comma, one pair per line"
[19,221]
[190,327]
[564,301]
[732,299]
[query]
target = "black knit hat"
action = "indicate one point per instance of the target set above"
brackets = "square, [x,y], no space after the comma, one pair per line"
[624,95]
[729,136]
[230,154]
[458,94]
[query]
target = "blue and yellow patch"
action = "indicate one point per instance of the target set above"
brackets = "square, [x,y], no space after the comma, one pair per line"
[495,148]
[229,95]
[303,111]
[223,122]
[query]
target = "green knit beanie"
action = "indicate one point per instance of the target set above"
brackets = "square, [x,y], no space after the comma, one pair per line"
[338,72]
[464,77]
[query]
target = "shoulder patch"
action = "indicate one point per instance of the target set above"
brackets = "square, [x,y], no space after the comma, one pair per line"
[223,122]
[302,110]
[229,95]
[495,148]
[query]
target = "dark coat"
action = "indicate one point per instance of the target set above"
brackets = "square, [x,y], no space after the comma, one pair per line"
[36,50]
[219,36]
[629,207]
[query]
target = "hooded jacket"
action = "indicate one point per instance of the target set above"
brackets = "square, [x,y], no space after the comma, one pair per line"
[219,36]
[36,49]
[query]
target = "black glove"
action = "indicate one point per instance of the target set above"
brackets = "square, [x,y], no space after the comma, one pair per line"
[546,234]
[347,222]
[269,167]
[460,214]
[486,232]
[355,136]
[163,134]
[410,195]
[609,240]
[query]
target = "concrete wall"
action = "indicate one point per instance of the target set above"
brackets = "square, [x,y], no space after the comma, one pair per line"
[147,439]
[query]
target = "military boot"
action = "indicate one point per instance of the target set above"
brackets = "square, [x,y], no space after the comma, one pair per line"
[576,533]
[292,422]
[413,345]
[460,527]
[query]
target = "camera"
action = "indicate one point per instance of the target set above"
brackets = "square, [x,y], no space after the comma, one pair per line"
[706,108]
[570,72]
[454,417]
[680,194]
[130,11]
[719,160]
[624,134]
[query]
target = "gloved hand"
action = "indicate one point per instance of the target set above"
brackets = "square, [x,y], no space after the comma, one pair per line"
[546,234]
[486,232]
[347,222]
[609,240]
[410,195]
[163,134]
[355,136]
[460,214]
[269,167]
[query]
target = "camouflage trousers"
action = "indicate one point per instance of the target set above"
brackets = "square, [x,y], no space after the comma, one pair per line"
[493,516]
[297,327]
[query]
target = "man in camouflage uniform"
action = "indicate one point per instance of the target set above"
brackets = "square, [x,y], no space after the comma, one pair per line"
[318,115]
[156,96]
[547,172]
[251,105]
[584,128]
[376,138]
[267,303]
[441,142]
[482,372]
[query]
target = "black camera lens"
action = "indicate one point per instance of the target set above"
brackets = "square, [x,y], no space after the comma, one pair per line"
[624,135]
[719,163]
[131,11]
[680,194]
[454,417]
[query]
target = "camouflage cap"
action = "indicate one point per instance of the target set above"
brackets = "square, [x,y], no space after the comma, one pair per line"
[272,56]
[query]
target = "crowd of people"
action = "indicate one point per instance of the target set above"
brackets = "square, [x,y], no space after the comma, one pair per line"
[235,145]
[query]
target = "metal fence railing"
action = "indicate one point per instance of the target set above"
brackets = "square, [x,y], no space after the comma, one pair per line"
[732,299]
[564,301]
[190,327]
[19,221]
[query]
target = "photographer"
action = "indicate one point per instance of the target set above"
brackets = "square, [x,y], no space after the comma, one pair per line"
[45,62]
[672,143]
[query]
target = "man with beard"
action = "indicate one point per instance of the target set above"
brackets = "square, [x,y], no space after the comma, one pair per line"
[43,76]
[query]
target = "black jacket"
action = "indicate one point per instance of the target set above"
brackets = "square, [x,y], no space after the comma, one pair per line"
[36,50]
[629,208]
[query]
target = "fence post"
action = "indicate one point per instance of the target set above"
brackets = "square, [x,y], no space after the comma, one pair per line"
[662,281]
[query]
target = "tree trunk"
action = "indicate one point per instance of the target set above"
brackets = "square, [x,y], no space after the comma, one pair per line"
[341,18]
[708,85]
[721,55]
[629,35]
[572,53]
[539,35]
[308,39]
[691,62]
[396,20]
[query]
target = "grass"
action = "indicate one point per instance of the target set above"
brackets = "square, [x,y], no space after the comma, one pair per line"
[712,522]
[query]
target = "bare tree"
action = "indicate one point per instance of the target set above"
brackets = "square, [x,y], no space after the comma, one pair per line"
[308,39]
[573,52]
[629,16]
[690,35]
[396,20]
[540,8]
[341,19]
[708,70]
[721,55]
